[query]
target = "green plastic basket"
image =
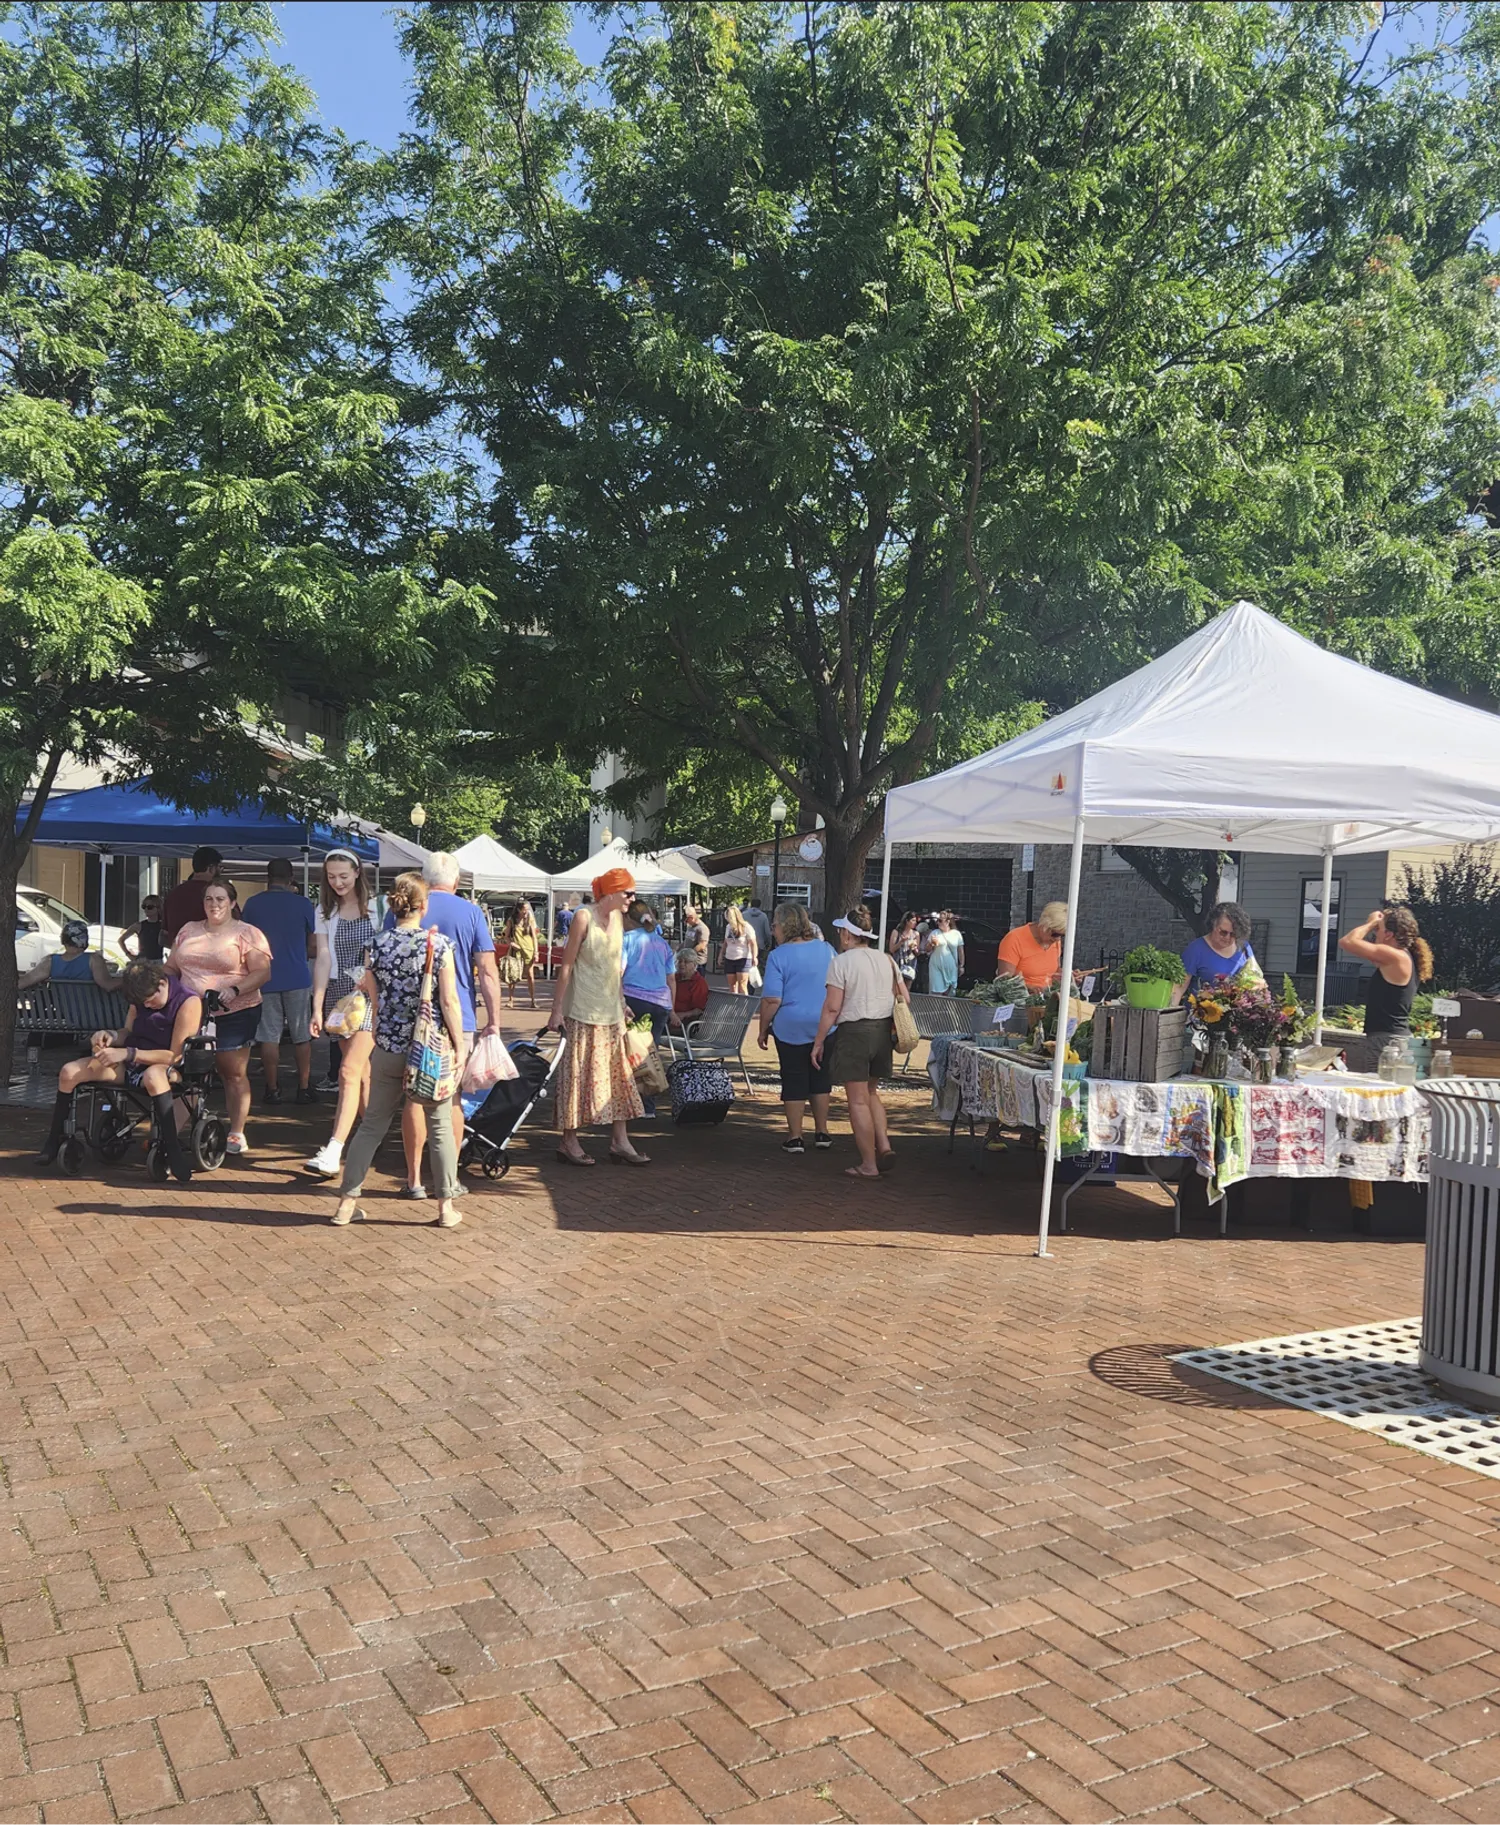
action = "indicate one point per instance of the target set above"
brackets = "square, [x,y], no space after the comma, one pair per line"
[1148,992]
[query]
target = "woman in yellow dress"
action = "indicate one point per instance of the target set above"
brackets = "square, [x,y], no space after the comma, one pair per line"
[519,962]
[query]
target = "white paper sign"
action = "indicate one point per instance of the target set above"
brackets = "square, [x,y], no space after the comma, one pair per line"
[1086,987]
[1028,858]
[1072,1025]
[763,868]
[1003,1014]
[1444,1008]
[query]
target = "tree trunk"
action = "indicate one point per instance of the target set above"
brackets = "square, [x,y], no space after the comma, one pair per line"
[15,846]
[10,870]
[845,854]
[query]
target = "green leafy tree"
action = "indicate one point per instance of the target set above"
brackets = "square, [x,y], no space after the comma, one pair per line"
[848,375]
[1457,907]
[207,497]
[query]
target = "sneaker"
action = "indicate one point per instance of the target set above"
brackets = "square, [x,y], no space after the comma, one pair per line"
[792,1146]
[237,1144]
[306,1093]
[270,1094]
[328,1087]
[822,1142]
[450,1219]
[327,1162]
[414,1191]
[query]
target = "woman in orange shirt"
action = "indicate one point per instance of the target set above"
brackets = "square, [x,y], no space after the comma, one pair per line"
[1034,952]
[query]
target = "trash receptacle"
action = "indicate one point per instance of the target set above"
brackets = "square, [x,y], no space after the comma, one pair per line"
[1461,1281]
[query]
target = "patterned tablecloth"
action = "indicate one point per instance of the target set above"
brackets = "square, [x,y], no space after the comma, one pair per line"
[1331,1126]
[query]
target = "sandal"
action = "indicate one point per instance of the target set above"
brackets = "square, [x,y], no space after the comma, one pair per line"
[858,1172]
[886,1162]
[574,1159]
[628,1159]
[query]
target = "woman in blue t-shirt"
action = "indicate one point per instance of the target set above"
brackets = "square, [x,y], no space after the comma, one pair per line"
[790,1004]
[1223,950]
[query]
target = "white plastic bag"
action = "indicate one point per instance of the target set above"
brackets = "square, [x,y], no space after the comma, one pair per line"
[489,1063]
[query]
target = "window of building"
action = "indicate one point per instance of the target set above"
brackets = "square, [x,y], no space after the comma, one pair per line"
[1312,913]
[1111,861]
[800,891]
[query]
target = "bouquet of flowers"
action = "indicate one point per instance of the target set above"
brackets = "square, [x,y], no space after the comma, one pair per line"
[1256,1018]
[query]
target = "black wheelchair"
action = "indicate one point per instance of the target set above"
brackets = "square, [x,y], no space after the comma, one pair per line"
[110,1118]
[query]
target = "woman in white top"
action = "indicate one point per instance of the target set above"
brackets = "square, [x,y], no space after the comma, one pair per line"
[740,951]
[860,999]
[343,933]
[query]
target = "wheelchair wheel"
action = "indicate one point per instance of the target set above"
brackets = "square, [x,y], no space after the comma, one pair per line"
[72,1154]
[115,1143]
[497,1167]
[156,1163]
[210,1138]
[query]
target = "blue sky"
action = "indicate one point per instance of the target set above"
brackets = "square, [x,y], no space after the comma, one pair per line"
[346,49]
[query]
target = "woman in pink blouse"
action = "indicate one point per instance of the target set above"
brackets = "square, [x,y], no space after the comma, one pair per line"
[221,952]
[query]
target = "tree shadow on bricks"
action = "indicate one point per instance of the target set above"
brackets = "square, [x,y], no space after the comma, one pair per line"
[1148,1371]
[252,1215]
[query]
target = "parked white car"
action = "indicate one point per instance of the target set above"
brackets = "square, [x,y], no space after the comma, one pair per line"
[39,922]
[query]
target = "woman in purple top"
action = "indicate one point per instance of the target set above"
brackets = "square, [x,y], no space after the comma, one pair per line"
[163,1017]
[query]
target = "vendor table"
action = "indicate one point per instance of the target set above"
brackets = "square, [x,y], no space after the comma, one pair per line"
[1330,1125]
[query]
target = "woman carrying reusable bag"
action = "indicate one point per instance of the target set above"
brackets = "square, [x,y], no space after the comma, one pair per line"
[596,1083]
[400,961]
[518,965]
[860,999]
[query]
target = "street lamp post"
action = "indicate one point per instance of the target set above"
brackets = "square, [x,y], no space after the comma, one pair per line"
[778,818]
[418,818]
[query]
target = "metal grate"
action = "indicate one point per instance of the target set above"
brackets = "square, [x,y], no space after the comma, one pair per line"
[1365,1376]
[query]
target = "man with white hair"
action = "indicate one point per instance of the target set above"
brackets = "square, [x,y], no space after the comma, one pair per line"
[466,928]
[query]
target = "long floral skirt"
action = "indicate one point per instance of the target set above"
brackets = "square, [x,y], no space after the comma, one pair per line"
[596,1083]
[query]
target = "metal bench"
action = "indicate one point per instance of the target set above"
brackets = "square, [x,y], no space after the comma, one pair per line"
[73,1009]
[936,1015]
[719,1032]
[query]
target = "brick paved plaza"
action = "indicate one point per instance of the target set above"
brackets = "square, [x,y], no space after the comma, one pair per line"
[730,1490]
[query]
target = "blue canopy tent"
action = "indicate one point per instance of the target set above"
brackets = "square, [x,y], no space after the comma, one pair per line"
[131,819]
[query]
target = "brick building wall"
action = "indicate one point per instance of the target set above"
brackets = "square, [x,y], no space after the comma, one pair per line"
[1116,907]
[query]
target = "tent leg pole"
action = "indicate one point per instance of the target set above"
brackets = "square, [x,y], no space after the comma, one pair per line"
[549,933]
[885,890]
[1323,922]
[103,892]
[1060,1050]
[305,874]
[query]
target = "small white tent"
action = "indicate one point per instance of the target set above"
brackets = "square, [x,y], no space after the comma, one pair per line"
[496,870]
[1243,736]
[668,871]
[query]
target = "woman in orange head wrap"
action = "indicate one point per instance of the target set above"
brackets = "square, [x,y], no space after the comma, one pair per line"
[596,1083]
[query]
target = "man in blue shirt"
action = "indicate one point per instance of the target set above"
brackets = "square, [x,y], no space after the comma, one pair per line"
[286,918]
[465,926]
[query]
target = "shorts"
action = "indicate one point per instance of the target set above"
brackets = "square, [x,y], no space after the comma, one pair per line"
[862,1050]
[800,1077]
[233,1032]
[285,1011]
[736,966]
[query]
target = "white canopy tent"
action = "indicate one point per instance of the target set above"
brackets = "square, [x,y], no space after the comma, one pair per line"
[497,870]
[666,871]
[1243,736]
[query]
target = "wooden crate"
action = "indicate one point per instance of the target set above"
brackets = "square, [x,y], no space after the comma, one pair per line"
[1138,1045]
[1473,1057]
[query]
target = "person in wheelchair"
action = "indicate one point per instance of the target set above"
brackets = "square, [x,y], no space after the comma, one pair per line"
[163,1017]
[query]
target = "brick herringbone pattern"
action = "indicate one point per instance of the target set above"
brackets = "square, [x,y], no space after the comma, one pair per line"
[731,1490]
